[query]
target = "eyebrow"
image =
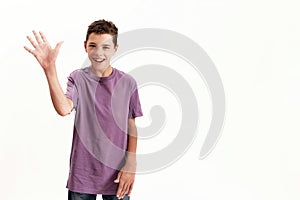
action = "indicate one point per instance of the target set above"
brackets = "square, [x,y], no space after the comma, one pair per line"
[102,44]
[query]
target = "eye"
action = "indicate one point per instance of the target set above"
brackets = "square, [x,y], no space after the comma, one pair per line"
[92,45]
[105,47]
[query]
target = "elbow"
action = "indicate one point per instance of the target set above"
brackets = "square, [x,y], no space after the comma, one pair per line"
[64,112]
[66,109]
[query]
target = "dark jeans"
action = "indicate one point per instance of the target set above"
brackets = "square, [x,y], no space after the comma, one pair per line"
[81,196]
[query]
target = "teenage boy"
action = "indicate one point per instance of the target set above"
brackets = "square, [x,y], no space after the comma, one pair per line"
[106,102]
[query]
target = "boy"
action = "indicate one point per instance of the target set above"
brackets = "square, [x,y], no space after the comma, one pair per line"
[106,101]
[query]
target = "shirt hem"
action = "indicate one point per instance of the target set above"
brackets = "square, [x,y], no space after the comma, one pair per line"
[89,191]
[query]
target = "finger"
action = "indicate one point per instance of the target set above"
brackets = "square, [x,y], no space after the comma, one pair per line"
[121,195]
[120,188]
[37,37]
[32,41]
[44,37]
[28,49]
[58,45]
[124,191]
[118,178]
[130,189]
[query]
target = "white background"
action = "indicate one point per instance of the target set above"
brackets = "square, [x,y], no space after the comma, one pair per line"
[255,46]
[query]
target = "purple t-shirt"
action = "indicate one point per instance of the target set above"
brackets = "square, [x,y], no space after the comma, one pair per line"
[103,106]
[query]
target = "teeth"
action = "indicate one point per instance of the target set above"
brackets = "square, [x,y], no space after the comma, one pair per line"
[99,60]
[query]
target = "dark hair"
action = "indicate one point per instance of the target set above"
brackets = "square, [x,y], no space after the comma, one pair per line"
[103,27]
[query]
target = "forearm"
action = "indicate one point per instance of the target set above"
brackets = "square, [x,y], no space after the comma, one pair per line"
[126,175]
[61,103]
[131,150]
[132,144]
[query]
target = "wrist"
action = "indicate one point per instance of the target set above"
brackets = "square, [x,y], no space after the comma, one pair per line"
[130,162]
[131,158]
[50,71]
[129,167]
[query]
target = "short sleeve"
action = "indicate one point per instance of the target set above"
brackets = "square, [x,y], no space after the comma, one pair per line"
[135,109]
[72,92]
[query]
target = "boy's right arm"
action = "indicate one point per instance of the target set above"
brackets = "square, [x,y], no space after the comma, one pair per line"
[46,56]
[61,103]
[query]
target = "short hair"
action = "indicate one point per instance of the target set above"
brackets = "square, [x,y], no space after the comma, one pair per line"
[103,27]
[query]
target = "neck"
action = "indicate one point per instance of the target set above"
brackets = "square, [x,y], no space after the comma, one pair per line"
[103,72]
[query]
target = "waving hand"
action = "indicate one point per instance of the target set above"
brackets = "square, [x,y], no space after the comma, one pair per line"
[42,51]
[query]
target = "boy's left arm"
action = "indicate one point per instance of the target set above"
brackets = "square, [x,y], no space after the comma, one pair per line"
[126,175]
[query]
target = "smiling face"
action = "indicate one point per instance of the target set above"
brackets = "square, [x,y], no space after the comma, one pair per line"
[100,49]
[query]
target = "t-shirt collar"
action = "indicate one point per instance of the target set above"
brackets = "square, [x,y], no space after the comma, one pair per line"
[89,71]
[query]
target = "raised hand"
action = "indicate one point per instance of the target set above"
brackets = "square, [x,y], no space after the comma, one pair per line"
[42,51]
[46,56]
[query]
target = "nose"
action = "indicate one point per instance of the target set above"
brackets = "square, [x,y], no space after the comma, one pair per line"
[99,51]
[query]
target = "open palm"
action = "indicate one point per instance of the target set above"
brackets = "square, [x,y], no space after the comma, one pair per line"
[43,52]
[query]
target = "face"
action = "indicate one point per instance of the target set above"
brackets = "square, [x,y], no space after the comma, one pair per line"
[100,49]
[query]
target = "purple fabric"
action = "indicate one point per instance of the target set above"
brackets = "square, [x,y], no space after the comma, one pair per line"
[103,106]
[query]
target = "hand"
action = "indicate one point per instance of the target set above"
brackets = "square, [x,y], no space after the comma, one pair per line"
[125,179]
[43,52]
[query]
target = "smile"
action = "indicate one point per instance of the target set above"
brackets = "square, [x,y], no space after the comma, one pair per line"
[99,60]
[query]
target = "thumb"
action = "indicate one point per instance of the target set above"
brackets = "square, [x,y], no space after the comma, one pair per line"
[58,45]
[118,178]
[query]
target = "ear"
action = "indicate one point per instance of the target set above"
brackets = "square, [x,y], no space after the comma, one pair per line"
[116,48]
[85,46]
